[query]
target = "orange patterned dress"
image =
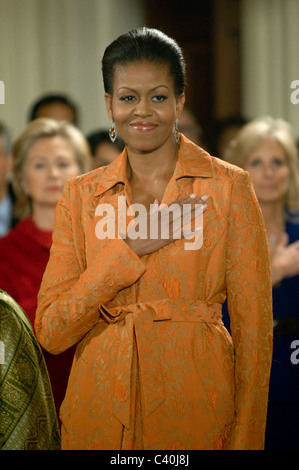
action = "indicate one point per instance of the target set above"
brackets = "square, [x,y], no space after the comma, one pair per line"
[154,366]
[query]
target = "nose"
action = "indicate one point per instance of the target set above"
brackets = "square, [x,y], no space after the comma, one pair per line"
[53,171]
[268,171]
[142,108]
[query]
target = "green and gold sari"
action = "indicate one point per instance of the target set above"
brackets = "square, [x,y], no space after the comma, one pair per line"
[28,419]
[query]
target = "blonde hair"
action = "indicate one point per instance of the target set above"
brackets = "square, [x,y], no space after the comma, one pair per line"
[253,134]
[36,130]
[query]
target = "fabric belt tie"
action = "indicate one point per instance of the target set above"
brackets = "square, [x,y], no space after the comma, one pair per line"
[138,320]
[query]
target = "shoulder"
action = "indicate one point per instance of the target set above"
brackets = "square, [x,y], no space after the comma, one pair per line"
[87,182]
[80,190]
[208,165]
[223,169]
[11,306]
[99,180]
[13,235]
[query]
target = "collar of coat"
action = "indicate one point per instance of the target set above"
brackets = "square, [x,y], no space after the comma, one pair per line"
[193,161]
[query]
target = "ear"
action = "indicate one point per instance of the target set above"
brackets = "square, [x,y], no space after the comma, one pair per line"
[180,105]
[108,101]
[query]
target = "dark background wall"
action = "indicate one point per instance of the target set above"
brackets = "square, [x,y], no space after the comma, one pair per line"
[209,33]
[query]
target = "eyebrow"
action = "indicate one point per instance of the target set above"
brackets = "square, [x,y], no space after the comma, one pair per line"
[45,157]
[36,157]
[152,89]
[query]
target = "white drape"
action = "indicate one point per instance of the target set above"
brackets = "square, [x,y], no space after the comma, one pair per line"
[56,46]
[270,58]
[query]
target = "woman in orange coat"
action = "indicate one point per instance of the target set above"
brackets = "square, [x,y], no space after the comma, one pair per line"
[154,367]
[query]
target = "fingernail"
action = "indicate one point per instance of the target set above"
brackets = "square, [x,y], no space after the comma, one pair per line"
[204,198]
[193,196]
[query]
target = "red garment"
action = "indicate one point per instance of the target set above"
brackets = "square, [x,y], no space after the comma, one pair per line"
[24,253]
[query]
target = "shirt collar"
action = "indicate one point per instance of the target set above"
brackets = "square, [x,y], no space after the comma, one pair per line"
[193,161]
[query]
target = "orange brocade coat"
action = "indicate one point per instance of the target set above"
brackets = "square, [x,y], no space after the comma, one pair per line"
[154,367]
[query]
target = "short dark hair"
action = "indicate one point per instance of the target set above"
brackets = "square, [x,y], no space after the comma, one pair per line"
[144,44]
[52,99]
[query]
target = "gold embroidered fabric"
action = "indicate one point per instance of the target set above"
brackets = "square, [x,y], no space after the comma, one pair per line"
[28,418]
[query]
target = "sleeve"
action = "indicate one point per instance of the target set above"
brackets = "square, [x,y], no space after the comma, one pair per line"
[70,292]
[249,298]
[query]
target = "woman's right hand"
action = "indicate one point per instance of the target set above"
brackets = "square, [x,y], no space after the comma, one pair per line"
[171,227]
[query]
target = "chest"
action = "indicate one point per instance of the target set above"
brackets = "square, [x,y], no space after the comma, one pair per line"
[146,193]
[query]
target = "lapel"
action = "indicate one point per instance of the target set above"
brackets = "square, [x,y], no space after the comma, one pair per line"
[193,162]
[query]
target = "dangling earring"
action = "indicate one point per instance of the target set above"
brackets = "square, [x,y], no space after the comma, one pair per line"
[112,131]
[176,132]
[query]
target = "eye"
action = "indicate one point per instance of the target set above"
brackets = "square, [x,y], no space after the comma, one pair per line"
[63,164]
[127,98]
[159,98]
[278,162]
[39,166]
[255,163]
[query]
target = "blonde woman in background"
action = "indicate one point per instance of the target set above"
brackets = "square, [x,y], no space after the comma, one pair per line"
[266,148]
[46,155]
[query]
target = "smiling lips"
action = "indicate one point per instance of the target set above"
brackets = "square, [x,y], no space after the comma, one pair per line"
[143,126]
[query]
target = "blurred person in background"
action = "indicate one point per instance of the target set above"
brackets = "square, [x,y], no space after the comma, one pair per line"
[190,127]
[6,197]
[103,150]
[55,106]
[266,148]
[46,155]
[224,130]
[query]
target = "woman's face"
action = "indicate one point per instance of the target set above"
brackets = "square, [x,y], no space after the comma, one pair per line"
[144,105]
[50,163]
[269,170]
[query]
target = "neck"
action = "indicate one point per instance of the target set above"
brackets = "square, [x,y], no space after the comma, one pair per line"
[43,217]
[150,166]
